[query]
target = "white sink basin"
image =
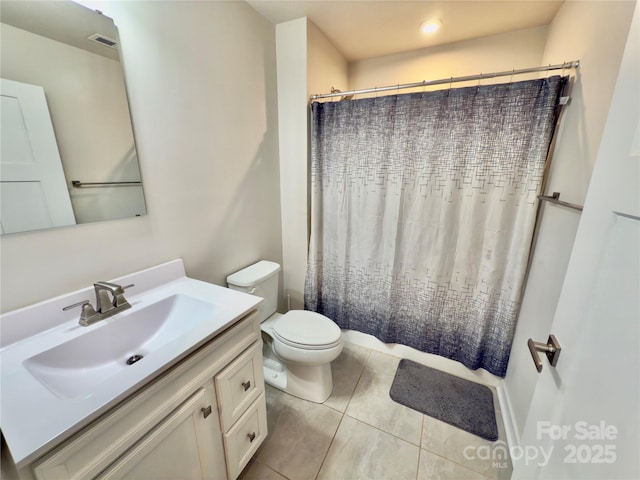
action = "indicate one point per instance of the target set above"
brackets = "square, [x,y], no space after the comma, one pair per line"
[75,368]
[58,376]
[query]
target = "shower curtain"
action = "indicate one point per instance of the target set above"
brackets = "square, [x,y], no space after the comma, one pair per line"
[423,207]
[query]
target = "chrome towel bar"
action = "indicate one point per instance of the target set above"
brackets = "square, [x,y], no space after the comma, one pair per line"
[79,184]
[555,198]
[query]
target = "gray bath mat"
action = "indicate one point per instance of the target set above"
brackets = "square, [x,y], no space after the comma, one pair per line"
[458,402]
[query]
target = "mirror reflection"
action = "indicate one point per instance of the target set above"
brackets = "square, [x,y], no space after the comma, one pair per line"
[68,154]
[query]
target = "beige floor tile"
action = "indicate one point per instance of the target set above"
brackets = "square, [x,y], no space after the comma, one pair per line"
[259,471]
[346,370]
[382,364]
[372,404]
[361,452]
[300,433]
[459,446]
[384,444]
[434,467]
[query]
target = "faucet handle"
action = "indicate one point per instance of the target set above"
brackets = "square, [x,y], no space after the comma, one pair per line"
[87,311]
[119,297]
[79,304]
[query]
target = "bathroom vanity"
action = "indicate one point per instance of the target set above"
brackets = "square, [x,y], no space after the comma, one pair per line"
[193,406]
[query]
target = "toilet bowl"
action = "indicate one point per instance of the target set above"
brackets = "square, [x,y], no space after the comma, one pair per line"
[299,345]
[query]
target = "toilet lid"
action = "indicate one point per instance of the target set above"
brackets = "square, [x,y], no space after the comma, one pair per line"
[307,329]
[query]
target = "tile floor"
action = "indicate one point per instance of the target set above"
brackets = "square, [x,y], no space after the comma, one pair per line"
[360,433]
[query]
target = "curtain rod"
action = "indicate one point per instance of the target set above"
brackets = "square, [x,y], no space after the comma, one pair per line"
[426,83]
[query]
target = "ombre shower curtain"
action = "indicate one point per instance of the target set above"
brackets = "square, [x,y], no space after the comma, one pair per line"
[423,207]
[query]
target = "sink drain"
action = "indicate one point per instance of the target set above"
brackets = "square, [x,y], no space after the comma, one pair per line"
[133,359]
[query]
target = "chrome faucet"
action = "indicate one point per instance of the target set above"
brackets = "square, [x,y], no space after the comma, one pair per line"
[109,301]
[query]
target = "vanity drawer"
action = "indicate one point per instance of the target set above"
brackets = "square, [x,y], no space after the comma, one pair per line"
[244,438]
[239,384]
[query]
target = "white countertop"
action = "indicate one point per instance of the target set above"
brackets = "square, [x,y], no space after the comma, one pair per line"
[33,418]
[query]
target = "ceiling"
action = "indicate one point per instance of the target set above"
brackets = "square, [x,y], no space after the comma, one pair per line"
[363,29]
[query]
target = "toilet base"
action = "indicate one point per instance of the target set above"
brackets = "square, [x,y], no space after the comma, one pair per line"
[313,383]
[274,374]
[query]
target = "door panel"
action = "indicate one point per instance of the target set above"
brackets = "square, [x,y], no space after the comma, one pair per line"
[33,189]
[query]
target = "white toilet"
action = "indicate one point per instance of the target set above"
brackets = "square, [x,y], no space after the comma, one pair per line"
[299,345]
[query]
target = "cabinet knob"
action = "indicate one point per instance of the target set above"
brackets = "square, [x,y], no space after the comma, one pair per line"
[246,385]
[206,411]
[251,436]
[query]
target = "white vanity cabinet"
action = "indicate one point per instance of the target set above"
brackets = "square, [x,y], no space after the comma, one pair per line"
[183,445]
[203,418]
[243,416]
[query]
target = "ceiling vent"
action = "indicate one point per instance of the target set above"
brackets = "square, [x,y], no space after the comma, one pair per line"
[103,40]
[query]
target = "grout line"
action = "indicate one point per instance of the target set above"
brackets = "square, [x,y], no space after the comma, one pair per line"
[271,468]
[355,387]
[420,448]
[383,431]
[374,426]
[467,466]
[329,447]
[343,413]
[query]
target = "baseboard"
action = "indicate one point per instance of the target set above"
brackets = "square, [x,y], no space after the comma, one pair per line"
[508,418]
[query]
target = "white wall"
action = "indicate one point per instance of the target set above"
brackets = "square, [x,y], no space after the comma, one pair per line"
[292,127]
[594,33]
[307,63]
[326,66]
[202,88]
[507,51]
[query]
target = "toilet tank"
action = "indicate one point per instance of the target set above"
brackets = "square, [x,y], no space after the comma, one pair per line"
[259,279]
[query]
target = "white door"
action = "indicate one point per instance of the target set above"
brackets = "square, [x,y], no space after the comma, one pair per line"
[33,190]
[584,417]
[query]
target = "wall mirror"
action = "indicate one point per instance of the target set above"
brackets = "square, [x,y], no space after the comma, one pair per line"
[68,154]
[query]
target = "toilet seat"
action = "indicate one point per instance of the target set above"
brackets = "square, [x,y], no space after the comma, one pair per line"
[307,330]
